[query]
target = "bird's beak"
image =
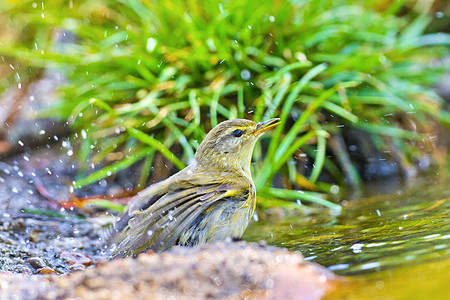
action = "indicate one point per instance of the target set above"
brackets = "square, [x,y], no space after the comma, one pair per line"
[262,127]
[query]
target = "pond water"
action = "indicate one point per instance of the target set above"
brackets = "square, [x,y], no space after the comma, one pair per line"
[379,242]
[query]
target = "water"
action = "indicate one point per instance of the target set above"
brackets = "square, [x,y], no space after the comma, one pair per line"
[379,241]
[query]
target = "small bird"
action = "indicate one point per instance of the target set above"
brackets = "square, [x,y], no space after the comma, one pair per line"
[212,199]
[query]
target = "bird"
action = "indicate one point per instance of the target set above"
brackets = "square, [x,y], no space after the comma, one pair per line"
[212,199]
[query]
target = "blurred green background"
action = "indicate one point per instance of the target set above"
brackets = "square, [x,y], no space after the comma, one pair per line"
[147,79]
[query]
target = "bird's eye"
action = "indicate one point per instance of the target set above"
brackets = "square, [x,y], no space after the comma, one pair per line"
[238,133]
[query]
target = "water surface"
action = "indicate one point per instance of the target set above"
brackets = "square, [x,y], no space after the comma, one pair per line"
[380,240]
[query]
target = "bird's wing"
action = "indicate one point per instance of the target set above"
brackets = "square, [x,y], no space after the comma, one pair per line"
[158,216]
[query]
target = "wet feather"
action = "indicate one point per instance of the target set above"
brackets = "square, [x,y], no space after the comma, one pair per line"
[211,199]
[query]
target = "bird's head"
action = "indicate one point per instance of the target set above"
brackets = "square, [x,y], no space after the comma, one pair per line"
[230,144]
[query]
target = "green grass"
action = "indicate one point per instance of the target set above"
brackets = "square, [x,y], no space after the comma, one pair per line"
[146,76]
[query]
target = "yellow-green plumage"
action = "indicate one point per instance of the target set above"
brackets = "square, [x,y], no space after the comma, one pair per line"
[211,199]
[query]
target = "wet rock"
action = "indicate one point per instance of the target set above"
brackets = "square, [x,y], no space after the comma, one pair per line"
[4,239]
[22,270]
[378,167]
[6,273]
[77,267]
[48,249]
[36,262]
[213,271]
[46,271]
[368,160]
[74,258]
[34,230]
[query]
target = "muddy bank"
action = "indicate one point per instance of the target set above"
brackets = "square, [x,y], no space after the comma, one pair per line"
[46,246]
[214,271]
[38,235]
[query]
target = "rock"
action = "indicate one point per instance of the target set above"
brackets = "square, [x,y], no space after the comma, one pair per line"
[77,267]
[212,271]
[36,262]
[46,271]
[74,258]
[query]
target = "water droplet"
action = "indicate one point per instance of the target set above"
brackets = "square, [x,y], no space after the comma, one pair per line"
[151,44]
[255,217]
[113,247]
[334,189]
[439,14]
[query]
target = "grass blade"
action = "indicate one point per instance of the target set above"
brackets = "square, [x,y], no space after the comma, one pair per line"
[301,195]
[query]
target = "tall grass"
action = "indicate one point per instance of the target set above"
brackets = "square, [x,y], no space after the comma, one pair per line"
[146,76]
